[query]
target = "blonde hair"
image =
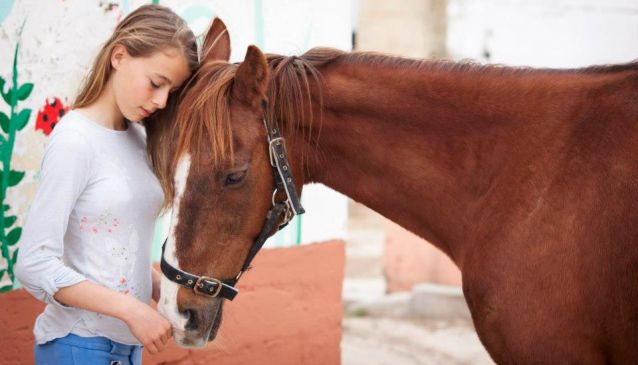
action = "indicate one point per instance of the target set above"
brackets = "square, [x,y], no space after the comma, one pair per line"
[148,29]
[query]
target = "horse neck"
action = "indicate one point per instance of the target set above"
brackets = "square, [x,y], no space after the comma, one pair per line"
[421,147]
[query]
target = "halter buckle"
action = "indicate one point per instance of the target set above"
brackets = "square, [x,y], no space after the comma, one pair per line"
[199,284]
[289,213]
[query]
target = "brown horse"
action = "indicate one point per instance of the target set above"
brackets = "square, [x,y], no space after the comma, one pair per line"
[526,178]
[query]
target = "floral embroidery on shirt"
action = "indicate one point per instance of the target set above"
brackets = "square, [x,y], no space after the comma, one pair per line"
[104,223]
[122,285]
[121,255]
[117,261]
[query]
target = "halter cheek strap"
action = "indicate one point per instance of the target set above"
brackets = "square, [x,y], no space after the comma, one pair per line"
[277,218]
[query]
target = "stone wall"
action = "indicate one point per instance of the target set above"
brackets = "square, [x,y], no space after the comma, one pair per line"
[409,28]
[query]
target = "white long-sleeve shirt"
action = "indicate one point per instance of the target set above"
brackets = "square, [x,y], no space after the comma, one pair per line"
[92,219]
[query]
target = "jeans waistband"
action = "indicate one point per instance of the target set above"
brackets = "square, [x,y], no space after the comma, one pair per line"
[98,343]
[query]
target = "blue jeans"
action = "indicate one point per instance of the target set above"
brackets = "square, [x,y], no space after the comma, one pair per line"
[76,350]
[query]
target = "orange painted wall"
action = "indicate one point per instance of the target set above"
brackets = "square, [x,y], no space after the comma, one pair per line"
[409,260]
[288,312]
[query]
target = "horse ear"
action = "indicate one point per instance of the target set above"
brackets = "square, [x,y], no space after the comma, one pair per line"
[251,79]
[217,42]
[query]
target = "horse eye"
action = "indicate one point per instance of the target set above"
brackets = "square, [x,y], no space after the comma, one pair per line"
[235,178]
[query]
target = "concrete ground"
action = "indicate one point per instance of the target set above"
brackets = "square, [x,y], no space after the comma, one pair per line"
[398,329]
[392,341]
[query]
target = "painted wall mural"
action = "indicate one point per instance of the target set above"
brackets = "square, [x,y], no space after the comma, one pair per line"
[49,115]
[55,42]
[10,124]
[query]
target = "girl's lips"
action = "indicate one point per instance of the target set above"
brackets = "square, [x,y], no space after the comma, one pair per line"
[145,112]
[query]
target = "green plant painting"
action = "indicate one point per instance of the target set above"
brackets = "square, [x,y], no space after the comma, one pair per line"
[10,124]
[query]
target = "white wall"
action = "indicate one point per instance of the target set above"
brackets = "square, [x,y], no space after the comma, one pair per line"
[544,33]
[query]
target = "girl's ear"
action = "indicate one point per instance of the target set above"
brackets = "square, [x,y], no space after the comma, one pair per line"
[118,54]
[216,43]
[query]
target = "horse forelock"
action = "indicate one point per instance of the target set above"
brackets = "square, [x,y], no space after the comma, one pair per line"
[203,117]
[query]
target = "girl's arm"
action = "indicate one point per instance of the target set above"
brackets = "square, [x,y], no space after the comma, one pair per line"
[146,324]
[64,174]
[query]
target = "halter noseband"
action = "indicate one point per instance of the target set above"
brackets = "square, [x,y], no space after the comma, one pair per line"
[286,209]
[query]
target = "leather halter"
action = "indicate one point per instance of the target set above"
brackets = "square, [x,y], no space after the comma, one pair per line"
[286,210]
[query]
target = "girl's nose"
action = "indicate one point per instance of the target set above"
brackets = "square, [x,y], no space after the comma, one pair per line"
[160,98]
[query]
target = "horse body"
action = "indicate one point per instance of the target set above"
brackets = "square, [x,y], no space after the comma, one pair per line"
[526,178]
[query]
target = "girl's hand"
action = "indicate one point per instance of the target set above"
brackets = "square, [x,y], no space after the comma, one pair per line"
[148,326]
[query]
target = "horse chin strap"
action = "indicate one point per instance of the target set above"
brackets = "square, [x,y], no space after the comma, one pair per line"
[280,213]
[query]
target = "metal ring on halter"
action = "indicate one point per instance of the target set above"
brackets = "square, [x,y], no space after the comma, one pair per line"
[288,214]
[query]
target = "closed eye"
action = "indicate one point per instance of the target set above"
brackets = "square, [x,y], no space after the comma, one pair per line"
[235,179]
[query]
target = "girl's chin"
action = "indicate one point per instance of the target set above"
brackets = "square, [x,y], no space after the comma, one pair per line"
[134,118]
[136,115]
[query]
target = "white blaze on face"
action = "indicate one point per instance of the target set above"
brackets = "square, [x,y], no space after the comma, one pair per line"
[168,301]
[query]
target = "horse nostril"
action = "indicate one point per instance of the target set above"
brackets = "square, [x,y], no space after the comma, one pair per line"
[191,317]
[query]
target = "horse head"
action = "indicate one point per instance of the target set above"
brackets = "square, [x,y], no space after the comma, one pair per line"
[224,187]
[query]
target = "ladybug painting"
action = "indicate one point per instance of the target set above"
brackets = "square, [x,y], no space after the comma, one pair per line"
[49,115]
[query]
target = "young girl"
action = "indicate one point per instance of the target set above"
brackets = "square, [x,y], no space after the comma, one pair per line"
[86,247]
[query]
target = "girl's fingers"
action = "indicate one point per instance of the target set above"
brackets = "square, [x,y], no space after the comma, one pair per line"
[159,345]
[152,349]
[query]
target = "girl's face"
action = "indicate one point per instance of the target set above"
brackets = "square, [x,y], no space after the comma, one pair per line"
[141,85]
